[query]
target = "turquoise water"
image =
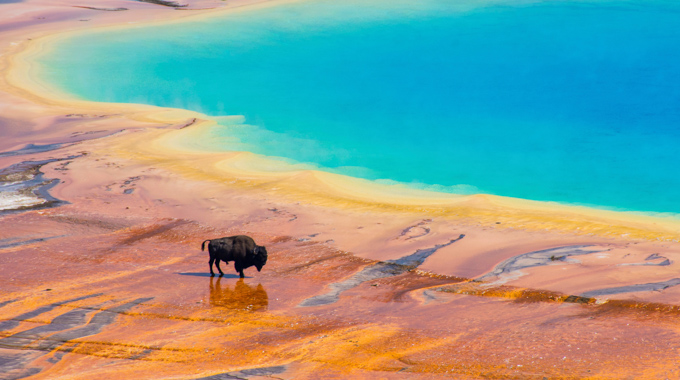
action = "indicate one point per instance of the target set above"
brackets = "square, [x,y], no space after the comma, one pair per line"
[569,101]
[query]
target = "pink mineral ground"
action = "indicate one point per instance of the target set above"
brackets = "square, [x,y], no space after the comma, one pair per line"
[102,275]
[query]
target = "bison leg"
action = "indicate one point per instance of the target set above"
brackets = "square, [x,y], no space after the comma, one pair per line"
[217,264]
[212,259]
[239,269]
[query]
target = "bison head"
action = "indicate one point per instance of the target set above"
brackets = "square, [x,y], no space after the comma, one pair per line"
[260,257]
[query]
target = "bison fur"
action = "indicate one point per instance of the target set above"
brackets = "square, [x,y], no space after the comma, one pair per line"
[240,249]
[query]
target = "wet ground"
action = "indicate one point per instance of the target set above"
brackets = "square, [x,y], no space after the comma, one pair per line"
[23,186]
[121,297]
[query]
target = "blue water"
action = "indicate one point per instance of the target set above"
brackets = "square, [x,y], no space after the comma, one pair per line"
[569,101]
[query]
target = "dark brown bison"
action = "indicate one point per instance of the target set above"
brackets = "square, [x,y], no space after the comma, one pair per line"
[240,249]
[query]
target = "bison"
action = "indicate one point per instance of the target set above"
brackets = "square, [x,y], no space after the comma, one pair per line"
[240,249]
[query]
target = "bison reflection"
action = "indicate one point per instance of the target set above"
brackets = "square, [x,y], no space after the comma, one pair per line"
[243,296]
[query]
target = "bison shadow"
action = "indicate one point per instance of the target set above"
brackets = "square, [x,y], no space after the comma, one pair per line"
[199,274]
[241,297]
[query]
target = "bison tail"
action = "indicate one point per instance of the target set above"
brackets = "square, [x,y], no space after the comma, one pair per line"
[203,245]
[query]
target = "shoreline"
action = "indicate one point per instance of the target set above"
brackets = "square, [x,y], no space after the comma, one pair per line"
[414,285]
[336,190]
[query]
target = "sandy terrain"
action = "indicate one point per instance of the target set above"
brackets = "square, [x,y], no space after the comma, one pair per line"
[102,275]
